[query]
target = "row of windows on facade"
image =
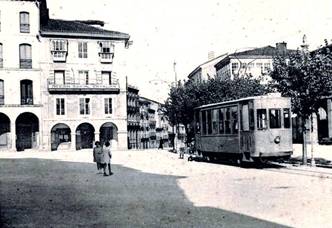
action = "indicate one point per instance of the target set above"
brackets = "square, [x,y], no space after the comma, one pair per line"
[264,67]
[58,51]
[24,22]
[225,120]
[83,78]
[84,106]
[26,89]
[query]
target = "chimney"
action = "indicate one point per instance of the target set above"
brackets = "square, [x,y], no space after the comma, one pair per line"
[211,55]
[281,48]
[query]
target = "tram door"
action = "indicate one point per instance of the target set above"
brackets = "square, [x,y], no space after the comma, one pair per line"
[247,127]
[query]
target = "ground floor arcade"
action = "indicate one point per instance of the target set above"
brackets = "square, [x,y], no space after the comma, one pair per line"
[27,131]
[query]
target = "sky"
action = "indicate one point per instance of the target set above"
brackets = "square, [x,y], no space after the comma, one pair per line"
[185,31]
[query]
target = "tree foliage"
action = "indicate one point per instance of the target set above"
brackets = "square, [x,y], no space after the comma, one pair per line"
[305,77]
[185,97]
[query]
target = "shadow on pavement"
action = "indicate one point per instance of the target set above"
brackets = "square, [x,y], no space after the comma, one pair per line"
[53,193]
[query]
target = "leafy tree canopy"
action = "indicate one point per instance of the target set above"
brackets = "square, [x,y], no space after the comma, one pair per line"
[305,77]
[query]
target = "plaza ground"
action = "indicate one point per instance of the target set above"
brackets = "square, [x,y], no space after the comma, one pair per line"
[153,188]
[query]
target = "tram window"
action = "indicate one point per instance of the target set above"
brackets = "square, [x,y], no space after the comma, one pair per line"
[227,121]
[261,119]
[275,118]
[235,127]
[251,119]
[197,122]
[204,122]
[209,122]
[221,121]
[286,118]
[245,118]
[215,121]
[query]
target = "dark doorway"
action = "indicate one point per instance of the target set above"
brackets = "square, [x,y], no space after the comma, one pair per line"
[108,132]
[85,136]
[27,131]
[4,130]
[60,135]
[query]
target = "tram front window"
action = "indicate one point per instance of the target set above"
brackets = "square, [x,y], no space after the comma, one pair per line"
[261,119]
[286,118]
[275,118]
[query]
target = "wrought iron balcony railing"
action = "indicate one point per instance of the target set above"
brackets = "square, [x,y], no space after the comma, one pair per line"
[59,56]
[26,63]
[106,57]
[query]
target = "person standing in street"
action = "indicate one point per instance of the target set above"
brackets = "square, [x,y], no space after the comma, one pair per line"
[98,155]
[107,158]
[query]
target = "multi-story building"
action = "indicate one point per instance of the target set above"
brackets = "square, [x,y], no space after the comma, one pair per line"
[133,115]
[153,124]
[205,70]
[256,62]
[69,96]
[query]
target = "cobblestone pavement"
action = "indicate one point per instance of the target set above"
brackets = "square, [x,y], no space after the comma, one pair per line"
[156,189]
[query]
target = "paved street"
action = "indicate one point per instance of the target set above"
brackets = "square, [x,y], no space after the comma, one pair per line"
[156,189]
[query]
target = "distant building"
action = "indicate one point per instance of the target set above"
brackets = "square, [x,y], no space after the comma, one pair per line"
[205,70]
[256,62]
[59,91]
[133,115]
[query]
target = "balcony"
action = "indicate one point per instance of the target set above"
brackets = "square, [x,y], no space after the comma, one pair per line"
[24,28]
[1,63]
[26,101]
[106,57]
[25,63]
[59,56]
[76,88]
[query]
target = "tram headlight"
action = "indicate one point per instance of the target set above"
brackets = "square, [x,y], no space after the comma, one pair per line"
[277,140]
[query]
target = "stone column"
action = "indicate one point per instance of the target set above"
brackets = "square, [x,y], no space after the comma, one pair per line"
[329,116]
[97,136]
[12,136]
[73,141]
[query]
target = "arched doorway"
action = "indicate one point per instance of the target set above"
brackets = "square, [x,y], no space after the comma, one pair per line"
[4,130]
[85,136]
[109,133]
[27,131]
[60,136]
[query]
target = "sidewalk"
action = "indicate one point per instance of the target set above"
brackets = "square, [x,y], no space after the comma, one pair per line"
[320,151]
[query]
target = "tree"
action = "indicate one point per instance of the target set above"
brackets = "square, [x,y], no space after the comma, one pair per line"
[305,77]
[182,100]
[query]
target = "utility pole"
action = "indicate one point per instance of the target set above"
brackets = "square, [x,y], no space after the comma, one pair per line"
[175,131]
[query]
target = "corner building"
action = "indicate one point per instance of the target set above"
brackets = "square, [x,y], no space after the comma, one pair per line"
[72,96]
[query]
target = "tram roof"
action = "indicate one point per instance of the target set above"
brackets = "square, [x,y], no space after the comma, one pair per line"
[270,95]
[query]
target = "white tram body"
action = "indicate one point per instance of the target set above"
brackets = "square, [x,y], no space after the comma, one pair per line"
[249,129]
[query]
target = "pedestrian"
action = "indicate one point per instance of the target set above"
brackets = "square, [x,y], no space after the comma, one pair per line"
[161,144]
[98,155]
[107,158]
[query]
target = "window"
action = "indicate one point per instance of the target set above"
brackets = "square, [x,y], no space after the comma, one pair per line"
[59,50]
[26,92]
[204,122]
[215,121]
[24,22]
[83,50]
[261,119]
[209,122]
[84,106]
[287,118]
[106,77]
[227,121]
[84,77]
[260,66]
[1,56]
[0,21]
[235,126]
[108,105]
[267,67]
[221,121]
[2,92]
[245,118]
[251,116]
[106,47]
[235,67]
[198,131]
[275,118]
[25,56]
[60,106]
[59,77]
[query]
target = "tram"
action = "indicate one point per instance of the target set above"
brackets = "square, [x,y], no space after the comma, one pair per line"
[248,129]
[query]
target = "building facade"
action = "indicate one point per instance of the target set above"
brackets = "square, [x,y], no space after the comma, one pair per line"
[69,95]
[133,114]
[205,70]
